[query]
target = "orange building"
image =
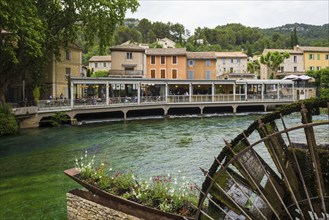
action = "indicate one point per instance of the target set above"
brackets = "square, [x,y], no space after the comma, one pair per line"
[166,63]
[201,65]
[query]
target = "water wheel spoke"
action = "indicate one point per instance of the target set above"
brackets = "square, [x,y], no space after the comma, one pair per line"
[301,177]
[314,155]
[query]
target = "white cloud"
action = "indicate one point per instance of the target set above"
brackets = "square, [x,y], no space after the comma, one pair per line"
[263,14]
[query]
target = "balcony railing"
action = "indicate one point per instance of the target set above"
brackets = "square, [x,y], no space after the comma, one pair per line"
[126,73]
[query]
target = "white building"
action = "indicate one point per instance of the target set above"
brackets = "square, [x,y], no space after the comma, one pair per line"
[230,62]
[166,43]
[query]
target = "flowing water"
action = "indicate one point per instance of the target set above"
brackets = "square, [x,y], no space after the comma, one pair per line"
[32,183]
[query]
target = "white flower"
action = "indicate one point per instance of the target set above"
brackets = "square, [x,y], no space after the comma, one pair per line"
[110,169]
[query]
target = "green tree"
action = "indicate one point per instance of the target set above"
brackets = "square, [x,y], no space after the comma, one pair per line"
[8,123]
[254,67]
[294,39]
[321,81]
[273,60]
[124,34]
[144,26]
[37,29]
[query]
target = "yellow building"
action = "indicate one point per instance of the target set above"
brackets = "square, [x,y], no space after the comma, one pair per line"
[201,65]
[59,70]
[315,58]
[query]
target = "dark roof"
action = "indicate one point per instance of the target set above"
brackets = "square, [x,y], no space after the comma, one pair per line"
[166,51]
[128,47]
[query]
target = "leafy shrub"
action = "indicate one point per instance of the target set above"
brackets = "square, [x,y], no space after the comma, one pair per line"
[58,118]
[100,73]
[163,192]
[8,123]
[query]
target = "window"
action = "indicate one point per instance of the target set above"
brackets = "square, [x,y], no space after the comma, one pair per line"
[129,56]
[207,62]
[327,56]
[190,74]
[238,60]
[208,74]
[318,67]
[163,60]
[152,60]
[295,68]
[104,64]
[223,60]
[231,69]
[152,73]
[318,55]
[311,67]
[96,65]
[311,56]
[232,60]
[191,63]
[295,59]
[224,69]
[163,73]
[174,60]
[67,72]
[68,55]
[281,69]
[174,74]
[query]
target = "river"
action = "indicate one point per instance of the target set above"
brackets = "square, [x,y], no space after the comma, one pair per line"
[32,183]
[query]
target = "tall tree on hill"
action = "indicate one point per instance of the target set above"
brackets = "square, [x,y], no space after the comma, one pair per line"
[294,39]
[273,60]
[38,28]
[144,27]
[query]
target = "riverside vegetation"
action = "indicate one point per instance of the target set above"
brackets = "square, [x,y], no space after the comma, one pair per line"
[8,123]
[163,192]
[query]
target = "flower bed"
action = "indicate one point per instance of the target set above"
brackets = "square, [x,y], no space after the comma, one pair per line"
[163,192]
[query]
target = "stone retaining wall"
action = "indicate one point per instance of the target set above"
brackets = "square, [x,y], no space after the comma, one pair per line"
[83,208]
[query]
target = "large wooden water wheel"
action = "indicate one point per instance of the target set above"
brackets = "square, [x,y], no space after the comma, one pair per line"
[292,182]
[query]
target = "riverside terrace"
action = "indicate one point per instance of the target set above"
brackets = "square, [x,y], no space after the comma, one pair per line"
[119,92]
[124,98]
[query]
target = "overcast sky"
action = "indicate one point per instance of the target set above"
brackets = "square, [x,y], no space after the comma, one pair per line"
[263,14]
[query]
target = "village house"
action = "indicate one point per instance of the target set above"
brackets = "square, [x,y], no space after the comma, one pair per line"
[315,58]
[166,63]
[201,65]
[230,62]
[128,60]
[166,43]
[100,63]
[60,70]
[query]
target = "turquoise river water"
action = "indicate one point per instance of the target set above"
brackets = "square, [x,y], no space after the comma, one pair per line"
[32,183]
